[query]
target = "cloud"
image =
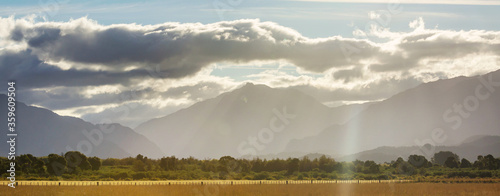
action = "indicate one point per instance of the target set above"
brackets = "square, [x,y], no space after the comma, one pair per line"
[347,75]
[175,50]
[85,69]
[32,72]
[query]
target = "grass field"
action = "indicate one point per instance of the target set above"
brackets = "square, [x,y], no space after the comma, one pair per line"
[270,189]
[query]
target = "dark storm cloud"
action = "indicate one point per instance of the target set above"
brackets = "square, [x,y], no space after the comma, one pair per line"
[31,72]
[183,49]
[177,50]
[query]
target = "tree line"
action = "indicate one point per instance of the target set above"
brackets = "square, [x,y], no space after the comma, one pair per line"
[227,167]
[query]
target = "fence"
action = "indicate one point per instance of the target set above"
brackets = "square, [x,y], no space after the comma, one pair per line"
[196,182]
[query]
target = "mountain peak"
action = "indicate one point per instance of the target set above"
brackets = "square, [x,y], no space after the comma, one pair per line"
[249,84]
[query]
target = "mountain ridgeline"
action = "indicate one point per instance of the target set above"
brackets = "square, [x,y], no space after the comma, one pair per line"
[440,113]
[458,114]
[251,120]
[42,132]
[237,123]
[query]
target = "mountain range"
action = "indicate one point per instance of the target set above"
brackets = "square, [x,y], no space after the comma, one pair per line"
[458,114]
[41,132]
[251,120]
[440,113]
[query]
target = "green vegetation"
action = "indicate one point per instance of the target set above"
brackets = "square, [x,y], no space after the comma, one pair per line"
[76,166]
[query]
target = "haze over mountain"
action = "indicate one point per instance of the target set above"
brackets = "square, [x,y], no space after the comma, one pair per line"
[256,120]
[227,124]
[41,132]
[443,112]
[469,149]
[239,123]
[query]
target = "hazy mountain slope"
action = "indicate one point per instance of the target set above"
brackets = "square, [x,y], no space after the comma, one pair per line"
[221,126]
[41,132]
[410,117]
[482,145]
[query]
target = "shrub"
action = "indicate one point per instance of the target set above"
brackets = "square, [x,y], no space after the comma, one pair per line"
[121,176]
[261,176]
[383,177]
[139,175]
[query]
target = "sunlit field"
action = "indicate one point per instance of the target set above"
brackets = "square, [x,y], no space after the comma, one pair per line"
[268,189]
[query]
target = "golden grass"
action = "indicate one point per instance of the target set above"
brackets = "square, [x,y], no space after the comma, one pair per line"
[278,189]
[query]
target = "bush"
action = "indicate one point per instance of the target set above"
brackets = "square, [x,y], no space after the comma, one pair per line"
[139,175]
[382,177]
[485,174]
[261,176]
[462,174]
[121,176]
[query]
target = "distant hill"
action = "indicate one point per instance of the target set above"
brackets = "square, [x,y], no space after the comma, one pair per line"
[41,132]
[223,125]
[480,145]
[411,117]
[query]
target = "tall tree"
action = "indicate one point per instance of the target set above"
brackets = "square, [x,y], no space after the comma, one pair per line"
[465,163]
[293,165]
[442,156]
[451,162]
[95,162]
[419,161]
[77,160]
[56,164]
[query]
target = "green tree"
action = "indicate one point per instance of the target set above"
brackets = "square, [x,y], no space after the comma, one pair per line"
[398,162]
[403,167]
[226,164]
[419,161]
[371,167]
[27,163]
[451,162]
[140,157]
[326,164]
[442,156]
[487,162]
[168,163]
[95,162]
[465,163]
[77,160]
[293,165]
[305,164]
[56,164]
[258,165]
[24,163]
[244,165]
[139,166]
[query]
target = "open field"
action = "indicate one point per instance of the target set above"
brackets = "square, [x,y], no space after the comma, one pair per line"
[196,182]
[242,182]
[268,189]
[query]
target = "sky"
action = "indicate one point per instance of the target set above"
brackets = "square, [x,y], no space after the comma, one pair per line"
[131,61]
